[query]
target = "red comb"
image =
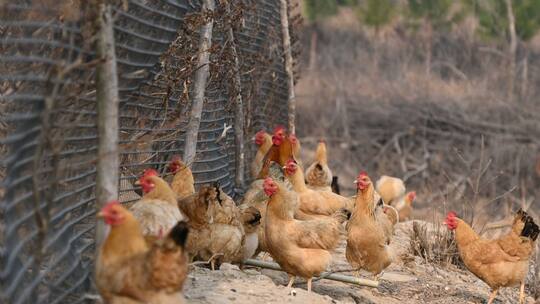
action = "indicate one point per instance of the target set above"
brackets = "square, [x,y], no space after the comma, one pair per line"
[362,174]
[150,172]
[176,158]
[451,214]
[279,128]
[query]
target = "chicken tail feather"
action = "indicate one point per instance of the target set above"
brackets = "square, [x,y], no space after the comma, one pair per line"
[530,230]
[342,215]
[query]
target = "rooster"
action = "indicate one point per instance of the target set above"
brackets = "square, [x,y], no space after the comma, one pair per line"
[502,262]
[157,211]
[264,141]
[301,248]
[183,183]
[318,174]
[367,239]
[128,271]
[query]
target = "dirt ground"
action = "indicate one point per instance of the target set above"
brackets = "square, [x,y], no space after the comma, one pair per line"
[408,280]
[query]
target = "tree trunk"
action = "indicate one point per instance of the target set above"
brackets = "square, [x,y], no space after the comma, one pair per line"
[511,50]
[525,77]
[288,64]
[429,47]
[107,104]
[313,50]
[238,111]
[201,78]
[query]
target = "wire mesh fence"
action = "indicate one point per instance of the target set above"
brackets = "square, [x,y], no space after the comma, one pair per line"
[48,120]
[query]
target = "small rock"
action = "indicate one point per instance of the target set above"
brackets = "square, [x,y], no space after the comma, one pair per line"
[233,290]
[292,293]
[227,266]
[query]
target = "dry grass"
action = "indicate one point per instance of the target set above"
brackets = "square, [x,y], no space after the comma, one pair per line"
[372,99]
[435,244]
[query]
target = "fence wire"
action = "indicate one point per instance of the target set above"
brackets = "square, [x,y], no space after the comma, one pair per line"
[48,121]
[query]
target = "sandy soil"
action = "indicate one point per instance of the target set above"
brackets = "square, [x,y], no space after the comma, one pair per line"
[408,280]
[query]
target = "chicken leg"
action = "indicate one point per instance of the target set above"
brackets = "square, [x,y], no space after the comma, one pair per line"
[291,281]
[522,293]
[309,284]
[493,296]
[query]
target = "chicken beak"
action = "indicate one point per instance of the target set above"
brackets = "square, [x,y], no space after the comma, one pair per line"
[137,183]
[100,214]
[355,181]
[284,167]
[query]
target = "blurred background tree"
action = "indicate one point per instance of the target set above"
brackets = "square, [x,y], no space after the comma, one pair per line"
[318,9]
[376,13]
[511,22]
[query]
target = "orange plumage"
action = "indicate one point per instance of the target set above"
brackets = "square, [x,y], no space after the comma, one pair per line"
[128,271]
[367,239]
[501,262]
[302,248]
[312,202]
[318,174]
[157,211]
[183,183]
[264,141]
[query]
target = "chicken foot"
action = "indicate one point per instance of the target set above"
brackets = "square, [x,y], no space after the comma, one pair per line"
[522,293]
[493,296]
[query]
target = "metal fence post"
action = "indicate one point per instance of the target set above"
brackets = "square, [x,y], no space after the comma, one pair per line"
[107,104]
[201,77]
[288,63]
[238,110]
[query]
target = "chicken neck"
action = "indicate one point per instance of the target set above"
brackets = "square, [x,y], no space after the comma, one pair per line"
[162,191]
[464,233]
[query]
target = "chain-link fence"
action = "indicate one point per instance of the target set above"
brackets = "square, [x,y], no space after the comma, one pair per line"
[48,120]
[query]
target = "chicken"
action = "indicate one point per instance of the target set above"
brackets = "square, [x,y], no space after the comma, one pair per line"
[157,211]
[301,248]
[404,206]
[128,271]
[255,197]
[183,183]
[279,153]
[367,239]
[295,145]
[284,148]
[390,189]
[218,234]
[499,263]
[264,141]
[318,174]
[251,221]
[195,207]
[312,202]
[388,217]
